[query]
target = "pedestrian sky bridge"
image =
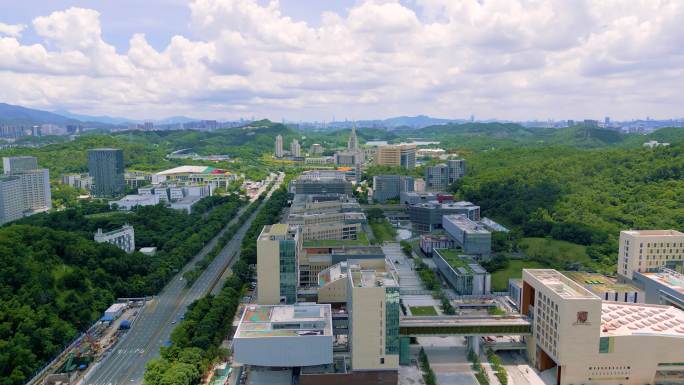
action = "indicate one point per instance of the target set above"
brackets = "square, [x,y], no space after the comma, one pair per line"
[422,326]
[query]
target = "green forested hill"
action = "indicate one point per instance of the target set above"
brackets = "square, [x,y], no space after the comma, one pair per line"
[55,281]
[581,196]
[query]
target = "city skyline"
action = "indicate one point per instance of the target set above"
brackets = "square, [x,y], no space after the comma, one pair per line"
[302,60]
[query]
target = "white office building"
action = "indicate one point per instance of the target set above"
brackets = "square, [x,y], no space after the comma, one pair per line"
[645,251]
[123,238]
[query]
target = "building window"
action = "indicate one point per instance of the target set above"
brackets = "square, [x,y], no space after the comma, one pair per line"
[382,361]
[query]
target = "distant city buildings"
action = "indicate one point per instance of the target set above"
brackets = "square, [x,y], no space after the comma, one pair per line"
[655,143]
[295,148]
[386,187]
[123,238]
[316,149]
[400,155]
[106,167]
[279,153]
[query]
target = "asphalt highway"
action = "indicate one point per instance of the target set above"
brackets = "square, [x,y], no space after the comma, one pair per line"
[125,364]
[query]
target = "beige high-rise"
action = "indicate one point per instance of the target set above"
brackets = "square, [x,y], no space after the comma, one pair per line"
[401,155]
[647,250]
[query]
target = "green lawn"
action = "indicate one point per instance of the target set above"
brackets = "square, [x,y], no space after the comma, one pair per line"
[423,310]
[383,231]
[554,251]
[452,258]
[514,270]
[362,241]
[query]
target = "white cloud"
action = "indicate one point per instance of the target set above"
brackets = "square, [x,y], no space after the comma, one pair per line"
[496,58]
[13,30]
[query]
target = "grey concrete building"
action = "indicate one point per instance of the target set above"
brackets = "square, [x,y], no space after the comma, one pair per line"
[386,187]
[470,235]
[13,164]
[427,217]
[441,176]
[106,166]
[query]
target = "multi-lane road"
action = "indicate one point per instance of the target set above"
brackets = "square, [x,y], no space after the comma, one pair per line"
[125,364]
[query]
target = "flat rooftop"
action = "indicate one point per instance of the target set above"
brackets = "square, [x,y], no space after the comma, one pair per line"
[306,319]
[619,319]
[465,224]
[563,286]
[372,278]
[655,233]
[599,282]
[185,170]
[277,231]
[670,279]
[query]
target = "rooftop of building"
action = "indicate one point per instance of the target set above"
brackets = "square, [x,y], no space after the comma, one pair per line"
[372,278]
[619,319]
[188,170]
[668,278]
[654,233]
[433,204]
[599,283]
[303,319]
[461,264]
[563,286]
[465,224]
[278,231]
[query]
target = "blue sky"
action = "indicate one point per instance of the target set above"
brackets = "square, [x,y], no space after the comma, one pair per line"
[355,59]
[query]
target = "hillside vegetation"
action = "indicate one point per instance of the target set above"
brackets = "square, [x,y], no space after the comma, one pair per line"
[581,196]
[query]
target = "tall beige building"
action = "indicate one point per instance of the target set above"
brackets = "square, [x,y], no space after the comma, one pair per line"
[279,146]
[278,248]
[579,339]
[647,250]
[373,305]
[400,155]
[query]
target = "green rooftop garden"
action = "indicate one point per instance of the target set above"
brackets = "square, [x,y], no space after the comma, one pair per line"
[452,258]
[361,241]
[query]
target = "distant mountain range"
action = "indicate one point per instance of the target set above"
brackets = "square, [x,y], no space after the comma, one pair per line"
[22,116]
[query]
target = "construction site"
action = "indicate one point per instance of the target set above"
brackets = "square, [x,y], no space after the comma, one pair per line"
[91,346]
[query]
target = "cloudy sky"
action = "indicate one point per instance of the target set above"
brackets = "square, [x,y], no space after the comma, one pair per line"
[353,59]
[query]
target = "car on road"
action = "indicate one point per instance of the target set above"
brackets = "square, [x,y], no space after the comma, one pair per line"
[173,322]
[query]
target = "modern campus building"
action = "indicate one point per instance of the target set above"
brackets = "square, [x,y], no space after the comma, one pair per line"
[317,256]
[373,306]
[582,339]
[106,166]
[386,187]
[13,164]
[279,146]
[441,176]
[430,242]
[329,225]
[123,238]
[471,236]
[320,182]
[131,201]
[284,335]
[427,217]
[465,275]
[415,197]
[194,175]
[278,249]
[644,251]
[399,155]
[664,287]
[334,203]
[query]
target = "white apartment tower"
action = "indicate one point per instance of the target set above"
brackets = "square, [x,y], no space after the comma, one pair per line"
[11,202]
[295,148]
[279,146]
[648,250]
